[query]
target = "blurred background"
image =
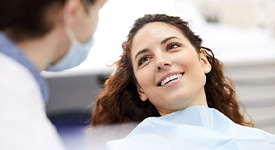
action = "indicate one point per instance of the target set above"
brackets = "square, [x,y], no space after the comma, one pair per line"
[241,34]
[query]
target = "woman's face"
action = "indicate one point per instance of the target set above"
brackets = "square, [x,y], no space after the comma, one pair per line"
[169,71]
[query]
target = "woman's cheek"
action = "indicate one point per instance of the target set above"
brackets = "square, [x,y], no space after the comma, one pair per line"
[144,77]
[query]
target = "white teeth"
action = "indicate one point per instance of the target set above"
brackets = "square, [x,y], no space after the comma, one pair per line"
[171,78]
[166,80]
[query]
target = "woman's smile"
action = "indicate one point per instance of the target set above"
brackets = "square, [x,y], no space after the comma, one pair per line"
[170,79]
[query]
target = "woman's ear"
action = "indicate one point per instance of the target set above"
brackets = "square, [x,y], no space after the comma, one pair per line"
[141,93]
[206,66]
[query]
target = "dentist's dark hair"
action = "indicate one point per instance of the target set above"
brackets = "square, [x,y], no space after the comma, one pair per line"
[21,19]
[119,102]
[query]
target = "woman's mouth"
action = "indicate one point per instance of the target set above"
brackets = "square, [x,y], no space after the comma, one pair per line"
[170,78]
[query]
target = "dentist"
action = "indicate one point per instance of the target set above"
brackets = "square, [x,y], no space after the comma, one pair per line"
[37,35]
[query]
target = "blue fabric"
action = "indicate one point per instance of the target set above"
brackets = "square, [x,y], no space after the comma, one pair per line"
[196,127]
[10,49]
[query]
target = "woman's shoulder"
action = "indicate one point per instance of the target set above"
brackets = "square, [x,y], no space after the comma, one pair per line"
[145,136]
[162,131]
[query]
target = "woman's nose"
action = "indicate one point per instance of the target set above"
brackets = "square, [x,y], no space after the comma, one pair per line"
[162,63]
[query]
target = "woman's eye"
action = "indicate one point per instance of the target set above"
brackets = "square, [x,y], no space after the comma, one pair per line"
[143,60]
[173,46]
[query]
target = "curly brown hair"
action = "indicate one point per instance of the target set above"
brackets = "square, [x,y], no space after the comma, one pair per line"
[119,102]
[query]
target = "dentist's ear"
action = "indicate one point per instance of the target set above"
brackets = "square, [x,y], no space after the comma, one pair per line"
[70,11]
[204,61]
[141,93]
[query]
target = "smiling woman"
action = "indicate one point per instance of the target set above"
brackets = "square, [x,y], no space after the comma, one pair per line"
[157,46]
[170,60]
[176,90]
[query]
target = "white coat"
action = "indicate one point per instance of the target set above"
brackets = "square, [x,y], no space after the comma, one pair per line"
[23,121]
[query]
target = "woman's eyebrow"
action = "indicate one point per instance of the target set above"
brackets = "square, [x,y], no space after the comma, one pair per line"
[162,42]
[167,39]
[140,52]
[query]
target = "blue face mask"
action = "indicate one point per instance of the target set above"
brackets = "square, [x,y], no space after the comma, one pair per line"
[77,52]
